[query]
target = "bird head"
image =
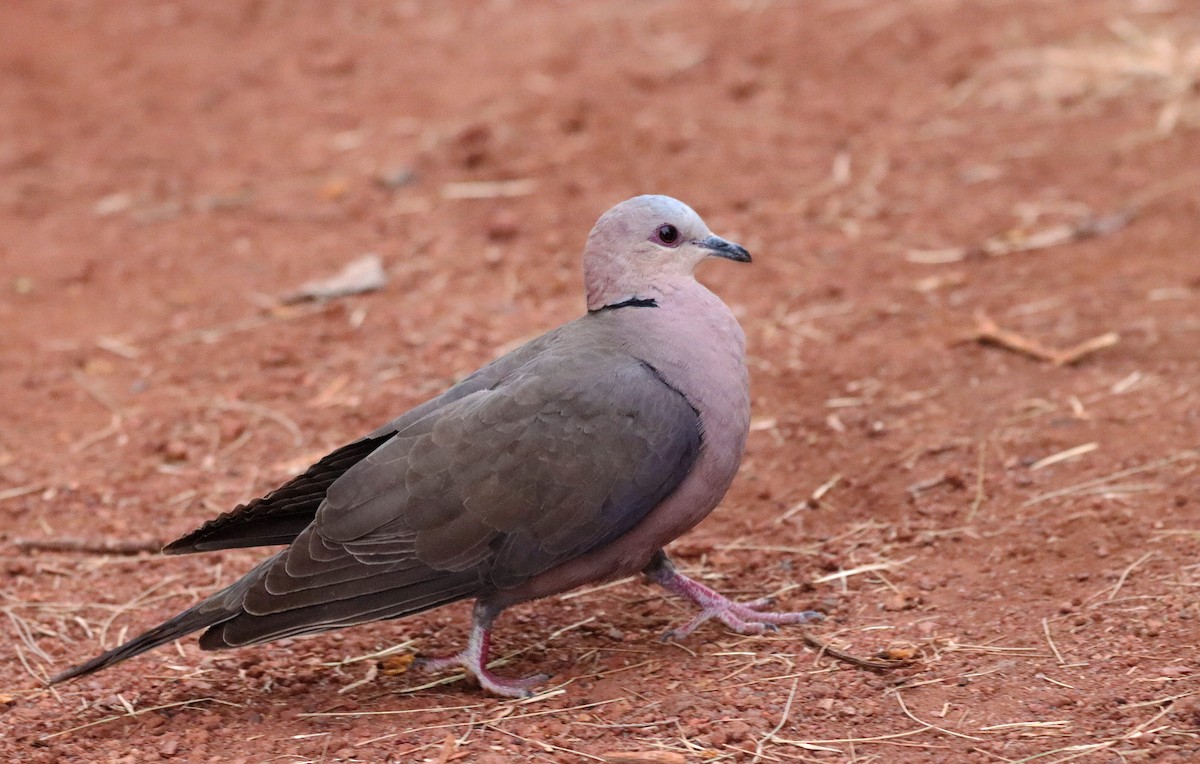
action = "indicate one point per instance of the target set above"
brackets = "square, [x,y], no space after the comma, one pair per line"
[643,247]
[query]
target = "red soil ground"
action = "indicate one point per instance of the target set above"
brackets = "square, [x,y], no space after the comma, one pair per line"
[169,169]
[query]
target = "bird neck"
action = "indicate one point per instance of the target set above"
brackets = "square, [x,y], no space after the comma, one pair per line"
[694,337]
[619,289]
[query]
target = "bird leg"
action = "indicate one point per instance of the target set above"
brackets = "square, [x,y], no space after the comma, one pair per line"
[744,618]
[474,660]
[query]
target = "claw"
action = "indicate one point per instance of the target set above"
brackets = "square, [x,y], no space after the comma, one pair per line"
[474,659]
[672,635]
[744,618]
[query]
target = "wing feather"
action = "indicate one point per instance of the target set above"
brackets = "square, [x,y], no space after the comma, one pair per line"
[482,493]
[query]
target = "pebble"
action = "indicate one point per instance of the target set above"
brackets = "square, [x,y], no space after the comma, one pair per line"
[502,225]
[396,177]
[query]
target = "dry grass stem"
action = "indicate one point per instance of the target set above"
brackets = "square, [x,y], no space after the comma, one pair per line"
[371,675]
[1125,575]
[397,648]
[980,475]
[264,412]
[1062,456]
[505,715]
[118,347]
[593,589]
[18,491]
[117,547]
[1162,66]
[496,189]
[548,747]
[395,712]
[812,501]
[211,335]
[823,745]
[927,725]
[645,757]
[844,574]
[1053,681]
[40,677]
[1106,479]
[1050,641]
[783,717]
[1163,701]
[131,714]
[140,599]
[1018,240]
[1059,724]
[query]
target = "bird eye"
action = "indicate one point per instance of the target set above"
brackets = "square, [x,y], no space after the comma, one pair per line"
[667,234]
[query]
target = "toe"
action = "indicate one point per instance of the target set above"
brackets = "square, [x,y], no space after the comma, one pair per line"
[434,665]
[512,688]
[532,680]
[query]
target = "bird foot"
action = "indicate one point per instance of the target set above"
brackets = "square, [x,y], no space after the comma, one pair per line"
[744,618]
[473,659]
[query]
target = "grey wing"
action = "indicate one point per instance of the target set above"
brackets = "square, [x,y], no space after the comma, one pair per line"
[481,494]
[280,516]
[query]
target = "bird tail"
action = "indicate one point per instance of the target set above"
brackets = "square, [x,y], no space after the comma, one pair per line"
[181,625]
[218,608]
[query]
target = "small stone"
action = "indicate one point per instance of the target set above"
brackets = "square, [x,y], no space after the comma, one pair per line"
[331,63]
[112,204]
[174,451]
[503,226]
[901,601]
[396,177]
[334,189]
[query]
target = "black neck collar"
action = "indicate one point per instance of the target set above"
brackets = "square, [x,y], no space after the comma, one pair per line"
[632,302]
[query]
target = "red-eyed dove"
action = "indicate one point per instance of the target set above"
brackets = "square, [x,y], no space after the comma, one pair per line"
[573,459]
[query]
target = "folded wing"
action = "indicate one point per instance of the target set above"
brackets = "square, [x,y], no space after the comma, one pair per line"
[281,515]
[560,458]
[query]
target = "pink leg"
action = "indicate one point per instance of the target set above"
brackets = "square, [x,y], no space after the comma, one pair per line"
[474,659]
[744,618]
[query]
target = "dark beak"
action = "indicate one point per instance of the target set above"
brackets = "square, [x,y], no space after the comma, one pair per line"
[727,249]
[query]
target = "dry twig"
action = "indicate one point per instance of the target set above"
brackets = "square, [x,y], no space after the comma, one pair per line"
[866,663]
[1020,241]
[989,332]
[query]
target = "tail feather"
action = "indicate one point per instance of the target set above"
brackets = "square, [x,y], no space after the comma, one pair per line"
[181,625]
[217,609]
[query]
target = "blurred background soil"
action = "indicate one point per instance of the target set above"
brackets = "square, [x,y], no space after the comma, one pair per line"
[972,319]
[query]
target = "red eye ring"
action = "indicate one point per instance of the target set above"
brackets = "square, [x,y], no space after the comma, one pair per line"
[667,234]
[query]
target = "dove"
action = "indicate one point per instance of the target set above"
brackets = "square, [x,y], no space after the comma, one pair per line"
[571,460]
